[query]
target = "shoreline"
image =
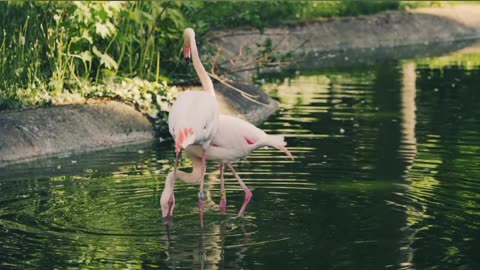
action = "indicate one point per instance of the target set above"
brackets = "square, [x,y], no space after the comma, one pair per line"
[364,35]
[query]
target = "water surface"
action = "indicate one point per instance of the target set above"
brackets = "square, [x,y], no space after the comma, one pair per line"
[386,176]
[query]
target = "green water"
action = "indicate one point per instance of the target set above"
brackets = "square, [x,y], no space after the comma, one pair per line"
[386,176]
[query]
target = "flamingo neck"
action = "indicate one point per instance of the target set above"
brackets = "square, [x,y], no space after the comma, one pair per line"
[169,182]
[201,72]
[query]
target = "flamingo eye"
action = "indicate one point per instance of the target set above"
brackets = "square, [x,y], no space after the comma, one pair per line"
[205,126]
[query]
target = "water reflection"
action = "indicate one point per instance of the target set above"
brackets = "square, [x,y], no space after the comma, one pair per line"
[212,246]
[417,166]
[408,148]
[386,176]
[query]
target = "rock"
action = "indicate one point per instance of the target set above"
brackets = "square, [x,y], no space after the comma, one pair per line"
[55,130]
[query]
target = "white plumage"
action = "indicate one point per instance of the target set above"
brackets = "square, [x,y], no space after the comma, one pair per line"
[197,110]
[236,139]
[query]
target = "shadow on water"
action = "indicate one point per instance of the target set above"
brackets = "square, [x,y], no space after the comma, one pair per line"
[386,176]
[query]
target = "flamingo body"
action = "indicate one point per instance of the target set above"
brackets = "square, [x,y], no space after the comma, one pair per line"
[236,139]
[196,111]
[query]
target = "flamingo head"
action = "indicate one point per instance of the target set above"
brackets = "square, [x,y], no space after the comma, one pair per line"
[167,203]
[188,38]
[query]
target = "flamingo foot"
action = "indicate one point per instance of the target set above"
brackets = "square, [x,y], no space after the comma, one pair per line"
[223,206]
[248,197]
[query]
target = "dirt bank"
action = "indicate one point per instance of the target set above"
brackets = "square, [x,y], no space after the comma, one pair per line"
[238,49]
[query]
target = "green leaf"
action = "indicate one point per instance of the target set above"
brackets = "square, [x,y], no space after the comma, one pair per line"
[105,59]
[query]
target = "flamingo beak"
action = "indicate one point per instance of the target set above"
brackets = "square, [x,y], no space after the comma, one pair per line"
[167,205]
[171,205]
[184,139]
[285,150]
[186,54]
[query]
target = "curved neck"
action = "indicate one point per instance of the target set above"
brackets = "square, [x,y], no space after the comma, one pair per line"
[201,72]
[188,178]
[169,182]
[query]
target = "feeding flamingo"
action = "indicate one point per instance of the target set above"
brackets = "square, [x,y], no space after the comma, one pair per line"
[193,117]
[234,139]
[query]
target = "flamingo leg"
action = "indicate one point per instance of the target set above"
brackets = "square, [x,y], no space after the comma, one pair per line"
[223,199]
[201,194]
[248,193]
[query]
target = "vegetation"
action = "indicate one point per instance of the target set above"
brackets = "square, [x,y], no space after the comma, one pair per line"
[57,52]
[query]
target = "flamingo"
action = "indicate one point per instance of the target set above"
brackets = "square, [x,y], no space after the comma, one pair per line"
[234,139]
[193,117]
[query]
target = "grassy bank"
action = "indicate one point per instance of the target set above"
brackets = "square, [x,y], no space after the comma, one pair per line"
[60,52]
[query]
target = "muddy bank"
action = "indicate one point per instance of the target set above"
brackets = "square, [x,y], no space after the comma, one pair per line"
[375,34]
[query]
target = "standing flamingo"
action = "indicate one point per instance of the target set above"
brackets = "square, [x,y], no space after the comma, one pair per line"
[193,117]
[234,139]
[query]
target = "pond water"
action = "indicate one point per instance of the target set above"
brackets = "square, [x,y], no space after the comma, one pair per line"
[386,175]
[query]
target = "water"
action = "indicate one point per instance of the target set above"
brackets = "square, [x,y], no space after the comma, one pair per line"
[386,176]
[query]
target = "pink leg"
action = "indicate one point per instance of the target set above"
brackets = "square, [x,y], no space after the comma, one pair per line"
[248,193]
[223,200]
[201,195]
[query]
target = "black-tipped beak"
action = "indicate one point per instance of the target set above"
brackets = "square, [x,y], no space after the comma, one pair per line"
[186,54]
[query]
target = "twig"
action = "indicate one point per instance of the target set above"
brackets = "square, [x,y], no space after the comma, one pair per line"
[222,81]
[243,93]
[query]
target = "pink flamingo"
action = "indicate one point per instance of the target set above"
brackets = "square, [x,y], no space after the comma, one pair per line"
[193,117]
[234,139]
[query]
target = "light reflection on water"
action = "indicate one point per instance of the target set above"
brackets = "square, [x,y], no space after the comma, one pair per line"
[386,176]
